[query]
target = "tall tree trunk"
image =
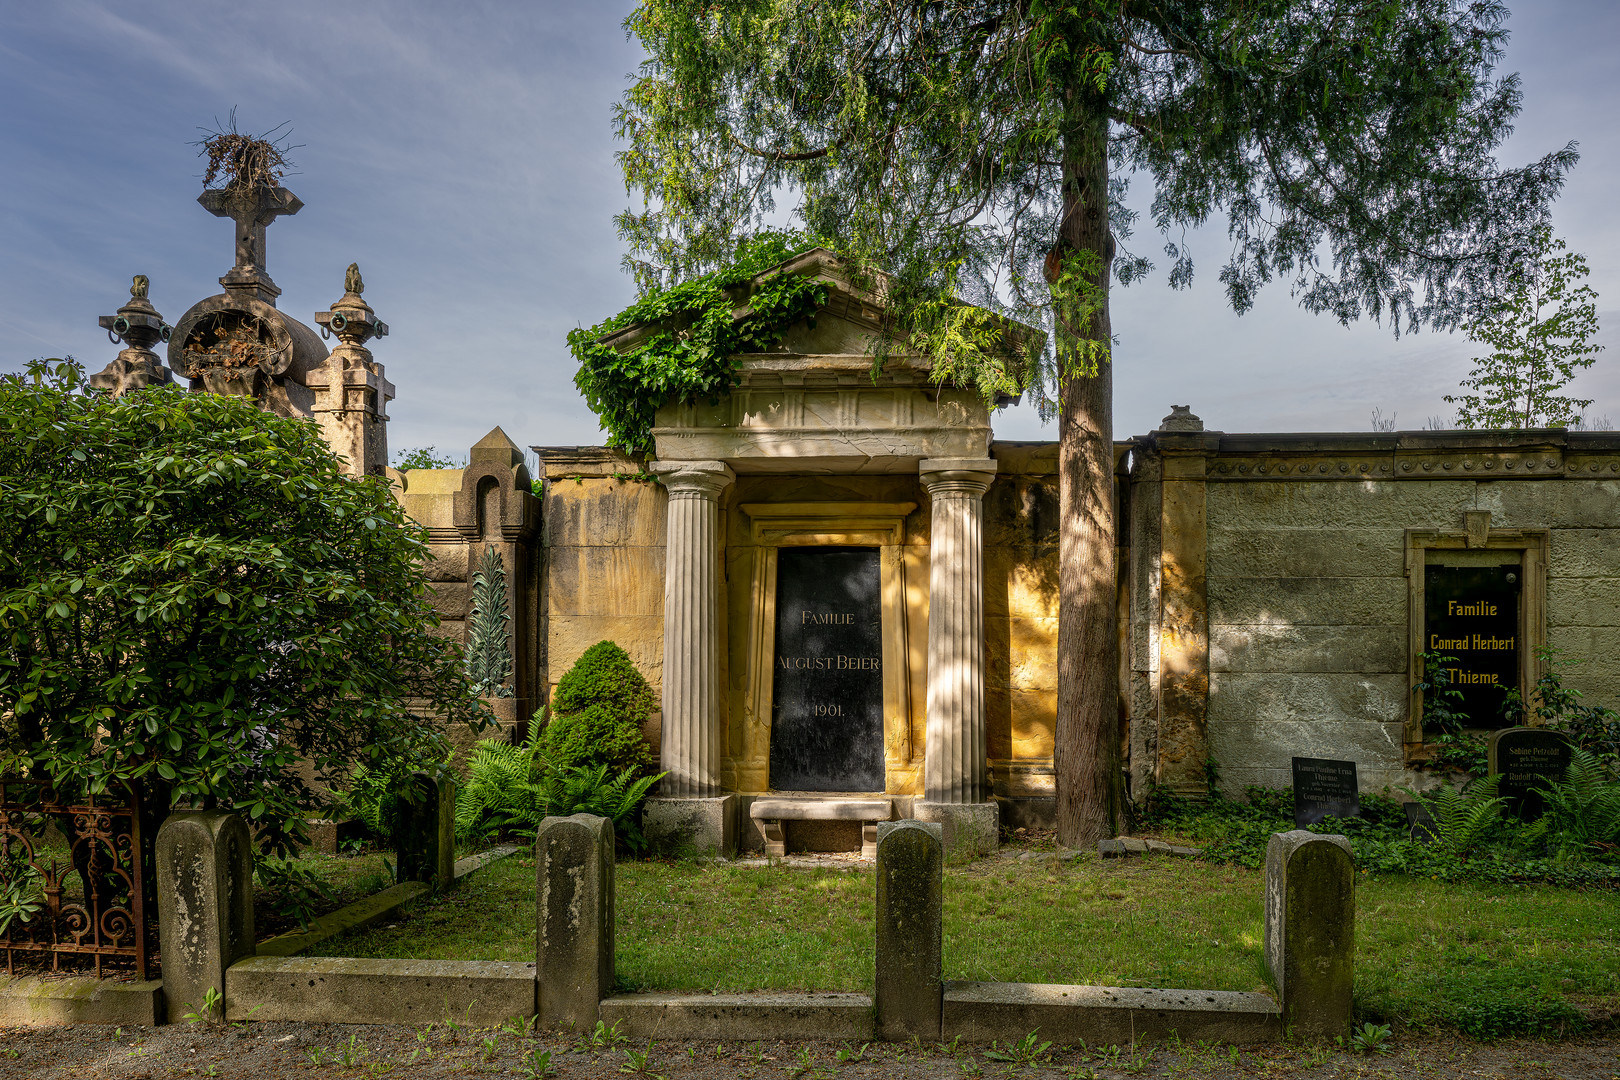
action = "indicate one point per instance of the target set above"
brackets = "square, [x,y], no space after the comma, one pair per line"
[1086,743]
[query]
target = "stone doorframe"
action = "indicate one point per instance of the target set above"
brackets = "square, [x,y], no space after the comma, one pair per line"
[1534,547]
[774,526]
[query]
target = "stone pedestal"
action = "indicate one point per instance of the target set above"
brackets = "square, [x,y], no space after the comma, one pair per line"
[427,832]
[692,826]
[205,906]
[955,766]
[1311,930]
[910,930]
[574,878]
[970,829]
[690,750]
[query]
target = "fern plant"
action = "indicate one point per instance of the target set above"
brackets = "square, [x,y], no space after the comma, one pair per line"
[372,799]
[1582,811]
[503,789]
[588,789]
[511,789]
[1462,817]
[489,642]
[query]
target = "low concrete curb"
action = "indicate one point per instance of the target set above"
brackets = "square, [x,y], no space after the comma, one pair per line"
[740,1016]
[330,989]
[82,999]
[981,1011]
[365,912]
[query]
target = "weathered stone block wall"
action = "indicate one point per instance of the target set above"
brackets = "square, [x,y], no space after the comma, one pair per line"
[1308,621]
[1307,595]
[602,550]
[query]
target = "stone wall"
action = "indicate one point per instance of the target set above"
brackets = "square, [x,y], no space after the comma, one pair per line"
[1312,542]
[1021,607]
[602,549]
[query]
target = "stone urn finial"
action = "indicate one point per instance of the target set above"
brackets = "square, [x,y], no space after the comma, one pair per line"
[352,319]
[1181,418]
[138,326]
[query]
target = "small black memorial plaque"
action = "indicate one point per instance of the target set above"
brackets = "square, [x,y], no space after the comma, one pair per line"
[1324,789]
[827,699]
[1472,613]
[1526,758]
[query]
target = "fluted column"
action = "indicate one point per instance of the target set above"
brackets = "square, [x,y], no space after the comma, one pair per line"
[690,751]
[954,765]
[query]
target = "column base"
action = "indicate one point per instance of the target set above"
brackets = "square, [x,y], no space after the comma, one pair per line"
[971,829]
[706,827]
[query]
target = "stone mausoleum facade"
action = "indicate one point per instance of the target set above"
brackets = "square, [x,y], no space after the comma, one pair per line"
[845,589]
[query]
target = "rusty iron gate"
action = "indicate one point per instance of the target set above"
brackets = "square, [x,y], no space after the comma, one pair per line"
[71,879]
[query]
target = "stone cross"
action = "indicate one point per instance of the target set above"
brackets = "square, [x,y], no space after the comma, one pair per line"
[253,210]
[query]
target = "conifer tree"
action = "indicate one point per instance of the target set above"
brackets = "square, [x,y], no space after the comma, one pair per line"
[981,149]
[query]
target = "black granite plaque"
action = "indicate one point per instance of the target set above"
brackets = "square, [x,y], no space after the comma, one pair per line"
[1472,613]
[1527,758]
[827,702]
[1324,789]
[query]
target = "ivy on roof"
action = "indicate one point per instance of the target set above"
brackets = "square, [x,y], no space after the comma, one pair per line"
[693,337]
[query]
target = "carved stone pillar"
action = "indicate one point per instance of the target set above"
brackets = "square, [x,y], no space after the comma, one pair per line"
[954,758]
[691,748]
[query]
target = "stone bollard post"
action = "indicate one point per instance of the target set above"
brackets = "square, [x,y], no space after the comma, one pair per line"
[427,832]
[910,929]
[574,872]
[205,906]
[1311,930]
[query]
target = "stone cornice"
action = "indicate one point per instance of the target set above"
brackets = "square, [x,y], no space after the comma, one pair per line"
[1406,455]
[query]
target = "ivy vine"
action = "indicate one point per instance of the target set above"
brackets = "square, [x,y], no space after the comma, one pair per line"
[694,339]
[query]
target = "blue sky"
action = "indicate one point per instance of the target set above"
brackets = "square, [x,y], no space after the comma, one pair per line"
[463,155]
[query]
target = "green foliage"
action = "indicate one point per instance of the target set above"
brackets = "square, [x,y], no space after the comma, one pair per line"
[1593,728]
[693,332]
[1468,754]
[1462,817]
[1371,1038]
[598,711]
[1541,329]
[423,457]
[597,735]
[1440,698]
[1582,811]
[489,640]
[196,600]
[372,798]
[1500,850]
[504,789]
[293,890]
[21,893]
[592,789]
[510,789]
[968,147]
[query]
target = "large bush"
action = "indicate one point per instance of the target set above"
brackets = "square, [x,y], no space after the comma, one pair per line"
[195,600]
[598,711]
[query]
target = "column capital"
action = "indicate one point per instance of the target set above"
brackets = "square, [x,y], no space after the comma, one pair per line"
[704,479]
[944,477]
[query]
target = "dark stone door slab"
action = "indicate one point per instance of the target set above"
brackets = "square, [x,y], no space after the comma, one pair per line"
[1471,613]
[827,686]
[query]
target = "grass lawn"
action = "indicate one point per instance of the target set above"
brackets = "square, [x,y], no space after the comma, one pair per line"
[1488,960]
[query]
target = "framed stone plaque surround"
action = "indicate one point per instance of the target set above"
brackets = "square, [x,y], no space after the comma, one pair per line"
[1502,562]
[869,525]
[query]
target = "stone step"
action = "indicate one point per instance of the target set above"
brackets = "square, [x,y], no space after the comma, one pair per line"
[769,814]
